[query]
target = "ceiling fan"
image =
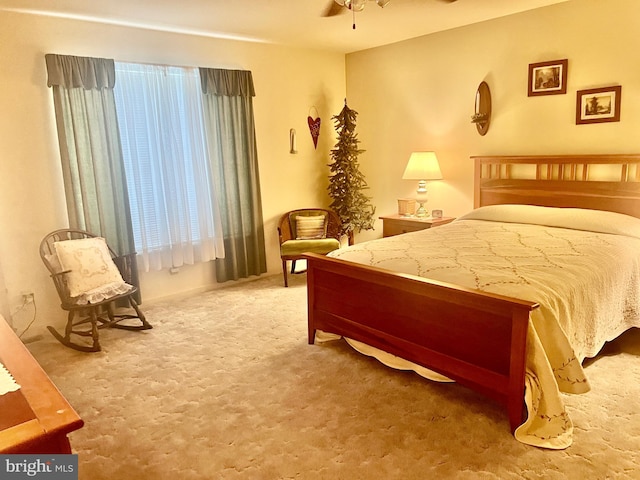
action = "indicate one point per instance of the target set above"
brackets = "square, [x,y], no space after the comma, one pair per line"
[336,7]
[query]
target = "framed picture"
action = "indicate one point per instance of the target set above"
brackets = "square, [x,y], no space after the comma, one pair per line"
[598,105]
[548,78]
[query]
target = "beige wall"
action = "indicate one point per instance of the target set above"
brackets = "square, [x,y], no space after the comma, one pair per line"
[289,84]
[419,95]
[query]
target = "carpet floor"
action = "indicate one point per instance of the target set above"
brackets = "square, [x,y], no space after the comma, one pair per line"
[226,387]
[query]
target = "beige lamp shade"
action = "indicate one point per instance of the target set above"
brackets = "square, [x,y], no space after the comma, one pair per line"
[422,166]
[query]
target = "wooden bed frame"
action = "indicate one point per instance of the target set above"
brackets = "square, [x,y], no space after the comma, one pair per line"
[476,338]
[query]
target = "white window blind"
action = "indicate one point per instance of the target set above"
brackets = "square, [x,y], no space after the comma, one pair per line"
[160,117]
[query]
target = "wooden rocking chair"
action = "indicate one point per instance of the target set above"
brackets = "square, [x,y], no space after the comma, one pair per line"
[84,263]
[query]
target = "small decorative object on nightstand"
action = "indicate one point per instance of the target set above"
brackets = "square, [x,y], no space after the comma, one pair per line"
[397,224]
[422,166]
[407,207]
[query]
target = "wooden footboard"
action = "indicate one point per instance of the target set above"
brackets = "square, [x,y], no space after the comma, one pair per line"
[477,339]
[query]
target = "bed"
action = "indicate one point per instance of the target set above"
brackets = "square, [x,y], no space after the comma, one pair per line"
[496,337]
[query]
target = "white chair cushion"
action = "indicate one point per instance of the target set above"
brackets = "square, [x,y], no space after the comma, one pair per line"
[92,273]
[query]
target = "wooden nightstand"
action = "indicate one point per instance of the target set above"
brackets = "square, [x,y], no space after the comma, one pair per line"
[397,224]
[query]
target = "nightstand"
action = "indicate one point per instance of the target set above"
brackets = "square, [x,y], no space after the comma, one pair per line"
[397,224]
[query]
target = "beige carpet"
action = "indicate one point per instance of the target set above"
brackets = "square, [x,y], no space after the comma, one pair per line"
[226,387]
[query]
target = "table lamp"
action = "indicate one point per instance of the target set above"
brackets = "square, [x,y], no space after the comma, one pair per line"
[422,166]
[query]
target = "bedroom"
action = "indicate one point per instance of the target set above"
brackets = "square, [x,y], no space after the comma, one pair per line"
[289,81]
[306,79]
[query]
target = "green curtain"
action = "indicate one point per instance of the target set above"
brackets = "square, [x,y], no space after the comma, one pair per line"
[92,166]
[228,108]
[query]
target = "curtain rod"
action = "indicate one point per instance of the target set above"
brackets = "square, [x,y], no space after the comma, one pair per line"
[171,65]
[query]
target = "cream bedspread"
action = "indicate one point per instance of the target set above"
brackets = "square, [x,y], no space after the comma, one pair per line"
[581,266]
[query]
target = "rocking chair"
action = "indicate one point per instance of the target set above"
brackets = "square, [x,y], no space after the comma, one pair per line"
[90,279]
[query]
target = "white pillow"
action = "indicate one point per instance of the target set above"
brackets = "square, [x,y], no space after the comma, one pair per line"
[575,218]
[309,227]
[90,266]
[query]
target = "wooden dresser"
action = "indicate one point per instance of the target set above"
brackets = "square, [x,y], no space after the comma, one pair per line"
[35,419]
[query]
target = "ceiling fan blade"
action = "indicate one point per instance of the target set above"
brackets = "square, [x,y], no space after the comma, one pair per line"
[333,9]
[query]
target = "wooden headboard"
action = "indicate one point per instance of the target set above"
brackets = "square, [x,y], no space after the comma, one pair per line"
[596,182]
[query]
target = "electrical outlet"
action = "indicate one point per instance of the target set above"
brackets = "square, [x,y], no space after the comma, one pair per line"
[28,297]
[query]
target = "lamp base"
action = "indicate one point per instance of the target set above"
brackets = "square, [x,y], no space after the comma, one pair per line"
[421,212]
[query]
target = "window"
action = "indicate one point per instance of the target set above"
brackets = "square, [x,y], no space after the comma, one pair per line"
[173,209]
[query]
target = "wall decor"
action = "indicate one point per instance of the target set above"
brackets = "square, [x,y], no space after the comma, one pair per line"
[314,127]
[292,141]
[548,78]
[482,109]
[598,105]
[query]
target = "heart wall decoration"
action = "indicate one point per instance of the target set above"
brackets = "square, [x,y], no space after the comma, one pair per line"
[314,128]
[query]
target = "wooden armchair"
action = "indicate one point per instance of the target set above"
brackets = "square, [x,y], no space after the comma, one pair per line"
[305,230]
[89,279]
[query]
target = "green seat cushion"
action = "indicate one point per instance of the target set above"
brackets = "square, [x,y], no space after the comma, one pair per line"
[319,245]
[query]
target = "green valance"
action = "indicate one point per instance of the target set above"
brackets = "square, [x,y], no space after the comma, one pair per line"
[227,83]
[88,73]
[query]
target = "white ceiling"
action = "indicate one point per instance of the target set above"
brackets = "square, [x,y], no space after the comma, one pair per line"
[291,22]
